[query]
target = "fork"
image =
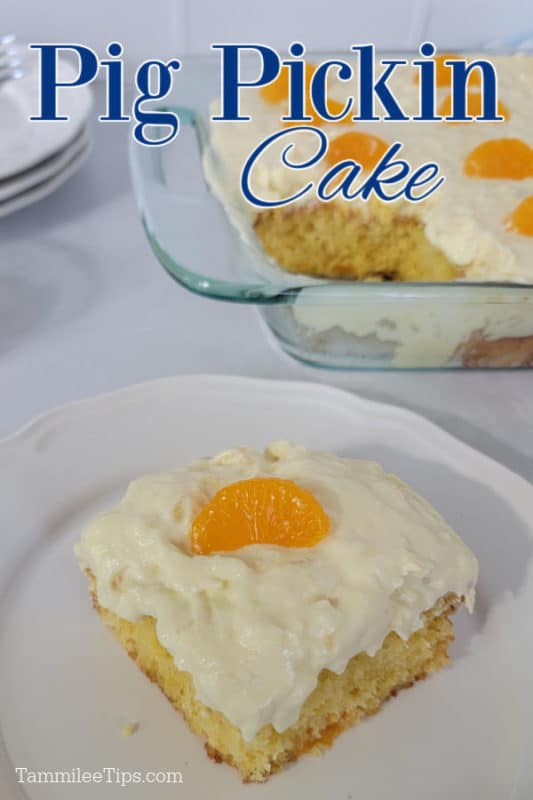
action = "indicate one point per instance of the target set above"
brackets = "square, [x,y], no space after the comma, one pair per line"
[11,59]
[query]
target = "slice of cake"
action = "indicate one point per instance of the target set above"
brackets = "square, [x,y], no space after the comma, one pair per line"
[277,598]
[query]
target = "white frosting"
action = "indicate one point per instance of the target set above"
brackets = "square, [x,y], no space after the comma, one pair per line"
[422,334]
[464,217]
[254,627]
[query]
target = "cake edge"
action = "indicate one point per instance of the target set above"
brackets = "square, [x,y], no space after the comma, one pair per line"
[201,719]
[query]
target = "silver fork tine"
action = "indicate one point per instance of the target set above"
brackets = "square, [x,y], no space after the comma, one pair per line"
[11,74]
[11,59]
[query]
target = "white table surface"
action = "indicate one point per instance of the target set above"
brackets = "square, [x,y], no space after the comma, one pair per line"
[85,308]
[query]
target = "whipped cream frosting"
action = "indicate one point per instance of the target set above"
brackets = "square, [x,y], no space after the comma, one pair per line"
[464,218]
[421,334]
[254,627]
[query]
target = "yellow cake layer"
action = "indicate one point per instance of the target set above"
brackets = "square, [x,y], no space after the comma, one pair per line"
[338,702]
[339,240]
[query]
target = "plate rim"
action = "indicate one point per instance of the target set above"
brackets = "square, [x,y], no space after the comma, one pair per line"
[49,167]
[384,408]
[39,191]
[432,433]
[79,111]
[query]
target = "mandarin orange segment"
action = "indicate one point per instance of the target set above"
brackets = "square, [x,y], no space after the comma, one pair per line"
[278,90]
[500,158]
[362,147]
[521,219]
[259,511]
[333,106]
[473,107]
[443,73]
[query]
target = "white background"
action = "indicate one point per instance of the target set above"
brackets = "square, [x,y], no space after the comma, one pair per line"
[171,27]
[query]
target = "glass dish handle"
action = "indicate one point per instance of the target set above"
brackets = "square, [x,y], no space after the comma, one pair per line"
[186,225]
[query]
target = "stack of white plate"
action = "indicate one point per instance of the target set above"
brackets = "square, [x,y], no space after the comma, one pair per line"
[37,157]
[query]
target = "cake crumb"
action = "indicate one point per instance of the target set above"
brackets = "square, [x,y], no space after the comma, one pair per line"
[130,728]
[316,750]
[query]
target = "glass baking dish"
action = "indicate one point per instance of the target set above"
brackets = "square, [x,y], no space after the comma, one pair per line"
[334,324]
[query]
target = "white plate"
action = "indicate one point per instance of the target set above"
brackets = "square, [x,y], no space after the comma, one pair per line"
[44,170]
[66,687]
[36,192]
[24,143]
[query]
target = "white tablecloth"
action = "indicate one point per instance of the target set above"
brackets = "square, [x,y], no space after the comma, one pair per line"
[85,308]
